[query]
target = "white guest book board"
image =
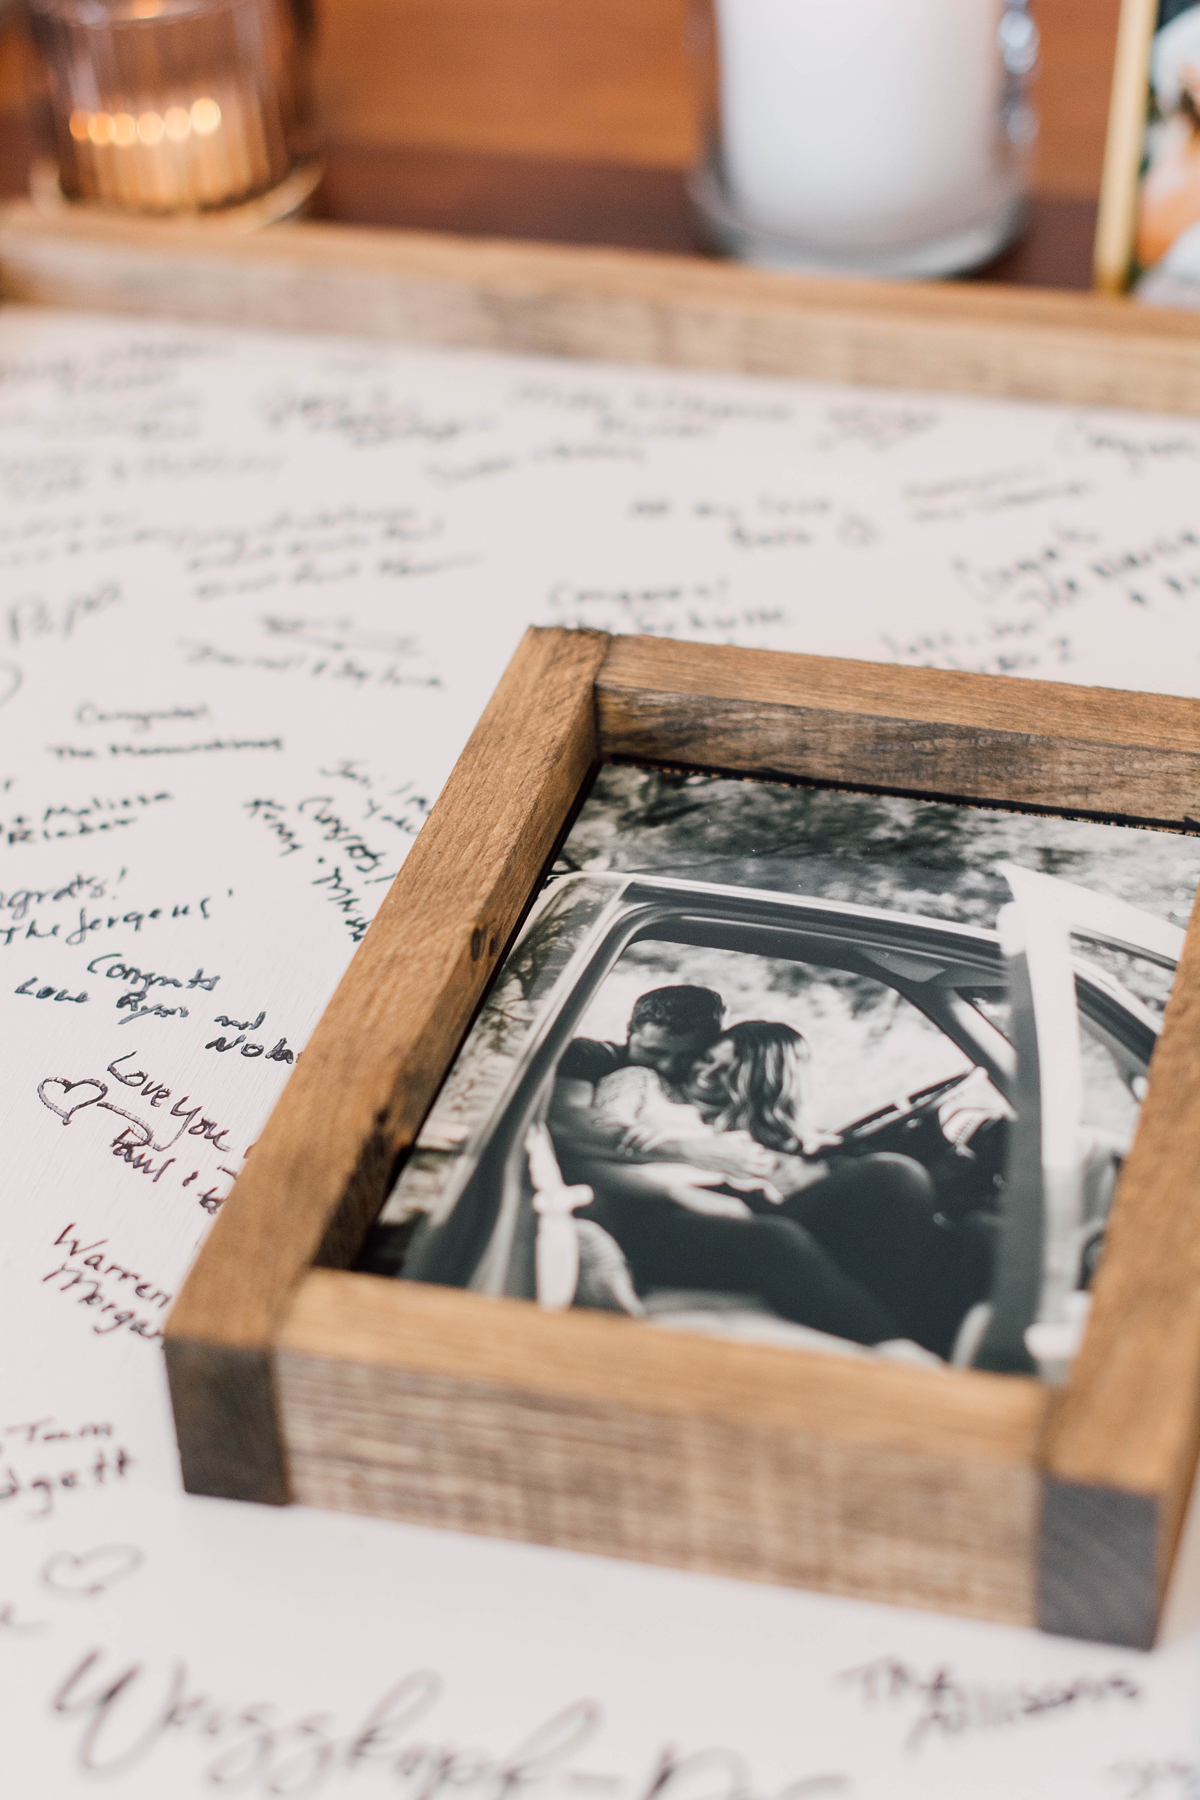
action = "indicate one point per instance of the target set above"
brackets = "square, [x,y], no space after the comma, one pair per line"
[256,590]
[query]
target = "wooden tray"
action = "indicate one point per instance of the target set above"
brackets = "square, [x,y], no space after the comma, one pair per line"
[673,311]
[976,1493]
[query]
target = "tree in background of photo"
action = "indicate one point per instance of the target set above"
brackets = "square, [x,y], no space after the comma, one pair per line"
[912,856]
[915,856]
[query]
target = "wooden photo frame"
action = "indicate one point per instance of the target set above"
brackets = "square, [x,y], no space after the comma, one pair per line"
[1150,186]
[293,1378]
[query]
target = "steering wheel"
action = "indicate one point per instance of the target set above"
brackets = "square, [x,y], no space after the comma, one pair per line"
[915,1106]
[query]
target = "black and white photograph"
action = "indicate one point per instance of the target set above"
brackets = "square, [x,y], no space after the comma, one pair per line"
[809,1068]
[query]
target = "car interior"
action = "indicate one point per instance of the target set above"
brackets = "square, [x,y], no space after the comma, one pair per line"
[951,1106]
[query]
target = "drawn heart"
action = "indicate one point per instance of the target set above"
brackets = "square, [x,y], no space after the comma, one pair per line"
[67,1113]
[85,1576]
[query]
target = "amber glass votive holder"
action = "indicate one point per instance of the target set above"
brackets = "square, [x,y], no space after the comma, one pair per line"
[173,106]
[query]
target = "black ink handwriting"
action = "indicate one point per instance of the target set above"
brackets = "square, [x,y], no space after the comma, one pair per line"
[49,1431]
[271,812]
[49,993]
[342,895]
[279,1052]
[48,1485]
[84,1575]
[89,923]
[31,617]
[125,1710]
[318,809]
[90,714]
[946,1706]
[18,902]
[90,817]
[136,1003]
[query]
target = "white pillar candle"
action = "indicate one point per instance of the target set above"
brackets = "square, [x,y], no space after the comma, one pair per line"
[863,125]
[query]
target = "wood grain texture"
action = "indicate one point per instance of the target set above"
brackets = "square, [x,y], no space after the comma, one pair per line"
[680,312]
[1070,94]
[600,80]
[593,79]
[584,1431]
[932,731]
[612,80]
[356,1097]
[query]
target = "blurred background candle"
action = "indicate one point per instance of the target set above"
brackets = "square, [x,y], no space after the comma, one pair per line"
[170,106]
[878,136]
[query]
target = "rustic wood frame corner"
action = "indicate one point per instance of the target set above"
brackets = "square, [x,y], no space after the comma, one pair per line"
[993,1496]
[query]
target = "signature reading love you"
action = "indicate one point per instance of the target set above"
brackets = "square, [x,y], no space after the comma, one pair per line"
[135,1143]
[55,1093]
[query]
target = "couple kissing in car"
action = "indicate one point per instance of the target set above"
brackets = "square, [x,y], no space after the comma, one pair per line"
[705,1170]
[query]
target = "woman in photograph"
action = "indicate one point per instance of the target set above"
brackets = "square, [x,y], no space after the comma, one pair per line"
[1169,209]
[730,1189]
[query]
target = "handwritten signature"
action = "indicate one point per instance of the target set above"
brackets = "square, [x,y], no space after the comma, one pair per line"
[125,1713]
[93,1474]
[247,1047]
[135,1142]
[18,903]
[99,814]
[93,1270]
[194,1123]
[136,1003]
[946,1706]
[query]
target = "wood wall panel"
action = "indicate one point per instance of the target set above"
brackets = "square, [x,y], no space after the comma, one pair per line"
[1078,39]
[603,80]
[611,80]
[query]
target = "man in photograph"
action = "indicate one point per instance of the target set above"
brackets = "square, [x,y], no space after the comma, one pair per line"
[670,1028]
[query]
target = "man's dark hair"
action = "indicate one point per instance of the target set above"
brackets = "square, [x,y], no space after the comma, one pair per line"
[684,1011]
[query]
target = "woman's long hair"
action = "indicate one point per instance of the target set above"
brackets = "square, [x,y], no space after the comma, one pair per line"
[766,1084]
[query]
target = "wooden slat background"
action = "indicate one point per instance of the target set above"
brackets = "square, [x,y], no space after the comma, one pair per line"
[602,80]
[609,80]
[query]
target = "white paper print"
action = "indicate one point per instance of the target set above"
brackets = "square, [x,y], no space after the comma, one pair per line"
[254,592]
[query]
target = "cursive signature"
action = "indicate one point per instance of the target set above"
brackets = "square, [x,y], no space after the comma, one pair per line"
[945,1706]
[125,1712]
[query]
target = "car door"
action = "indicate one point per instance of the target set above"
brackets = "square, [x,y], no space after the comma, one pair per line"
[1037,1311]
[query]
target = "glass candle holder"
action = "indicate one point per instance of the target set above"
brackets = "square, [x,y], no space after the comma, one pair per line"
[866,137]
[173,106]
